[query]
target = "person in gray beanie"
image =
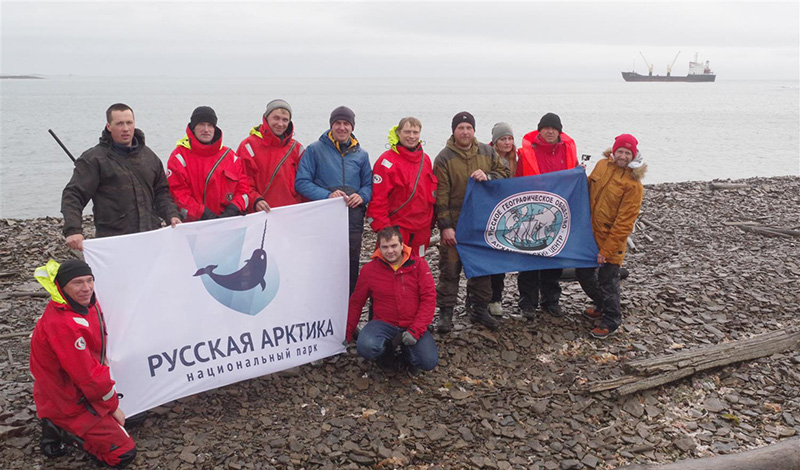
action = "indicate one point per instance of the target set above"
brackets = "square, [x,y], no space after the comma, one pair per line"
[336,166]
[271,156]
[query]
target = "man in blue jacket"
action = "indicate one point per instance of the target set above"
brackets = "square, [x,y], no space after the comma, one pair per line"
[337,166]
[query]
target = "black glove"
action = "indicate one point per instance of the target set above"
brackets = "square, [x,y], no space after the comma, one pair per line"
[230,211]
[208,214]
[398,339]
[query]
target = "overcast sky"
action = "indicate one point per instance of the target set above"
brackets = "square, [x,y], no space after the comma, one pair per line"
[513,40]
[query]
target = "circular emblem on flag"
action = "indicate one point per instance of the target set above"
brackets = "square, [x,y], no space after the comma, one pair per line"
[532,222]
[376,179]
[80,344]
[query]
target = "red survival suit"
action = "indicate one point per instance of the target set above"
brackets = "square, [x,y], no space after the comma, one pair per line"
[405,298]
[536,157]
[72,386]
[270,163]
[398,174]
[188,168]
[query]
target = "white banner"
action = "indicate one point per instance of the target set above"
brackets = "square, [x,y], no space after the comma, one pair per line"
[211,303]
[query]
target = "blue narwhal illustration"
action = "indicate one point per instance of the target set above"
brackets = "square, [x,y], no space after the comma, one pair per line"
[251,275]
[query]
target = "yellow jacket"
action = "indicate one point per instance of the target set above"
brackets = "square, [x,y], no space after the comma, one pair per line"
[615,197]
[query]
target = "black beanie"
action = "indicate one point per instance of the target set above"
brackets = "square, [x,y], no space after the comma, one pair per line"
[343,113]
[550,120]
[71,269]
[203,114]
[463,116]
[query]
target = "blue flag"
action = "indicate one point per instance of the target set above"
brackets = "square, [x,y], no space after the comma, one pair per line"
[525,224]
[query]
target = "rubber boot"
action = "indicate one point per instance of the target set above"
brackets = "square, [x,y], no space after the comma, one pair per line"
[480,314]
[51,444]
[445,324]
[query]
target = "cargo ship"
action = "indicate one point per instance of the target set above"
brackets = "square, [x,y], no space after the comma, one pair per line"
[698,72]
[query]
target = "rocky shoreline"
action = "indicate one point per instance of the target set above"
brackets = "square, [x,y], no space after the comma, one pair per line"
[707,268]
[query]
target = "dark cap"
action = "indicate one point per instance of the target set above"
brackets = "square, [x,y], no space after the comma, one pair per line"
[343,113]
[203,114]
[550,120]
[71,269]
[463,116]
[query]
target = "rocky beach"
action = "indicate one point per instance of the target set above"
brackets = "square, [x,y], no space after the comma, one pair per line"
[707,266]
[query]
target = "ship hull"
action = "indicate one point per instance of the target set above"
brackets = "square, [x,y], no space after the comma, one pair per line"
[635,77]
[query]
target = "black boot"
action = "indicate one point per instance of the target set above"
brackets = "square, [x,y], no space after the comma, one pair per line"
[480,314]
[445,324]
[51,443]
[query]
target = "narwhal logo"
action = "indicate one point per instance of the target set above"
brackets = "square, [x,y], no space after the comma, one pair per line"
[234,269]
[250,276]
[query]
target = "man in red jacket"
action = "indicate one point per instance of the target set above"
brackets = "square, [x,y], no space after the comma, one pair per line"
[544,150]
[271,156]
[73,390]
[404,299]
[206,179]
[404,187]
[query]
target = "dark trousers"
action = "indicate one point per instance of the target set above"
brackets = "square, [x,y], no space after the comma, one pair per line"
[355,258]
[533,283]
[602,286]
[498,283]
[479,289]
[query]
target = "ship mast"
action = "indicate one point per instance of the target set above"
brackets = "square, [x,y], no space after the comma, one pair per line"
[649,66]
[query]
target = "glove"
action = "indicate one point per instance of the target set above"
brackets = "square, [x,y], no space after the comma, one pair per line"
[409,339]
[208,214]
[230,211]
[397,340]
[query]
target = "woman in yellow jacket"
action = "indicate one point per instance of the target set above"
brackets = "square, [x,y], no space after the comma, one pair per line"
[615,197]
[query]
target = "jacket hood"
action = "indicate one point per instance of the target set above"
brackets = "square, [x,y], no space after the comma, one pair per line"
[637,166]
[531,138]
[406,255]
[327,139]
[394,141]
[46,275]
[464,154]
[190,142]
[138,137]
[264,132]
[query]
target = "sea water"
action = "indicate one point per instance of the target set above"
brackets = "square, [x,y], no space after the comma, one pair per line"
[686,131]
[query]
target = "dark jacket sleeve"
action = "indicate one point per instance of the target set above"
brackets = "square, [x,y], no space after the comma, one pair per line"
[499,168]
[443,213]
[165,206]
[78,192]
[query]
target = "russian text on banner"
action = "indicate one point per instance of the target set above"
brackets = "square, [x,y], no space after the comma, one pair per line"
[524,224]
[211,303]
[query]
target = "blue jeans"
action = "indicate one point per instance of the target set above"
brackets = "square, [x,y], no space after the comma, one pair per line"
[376,339]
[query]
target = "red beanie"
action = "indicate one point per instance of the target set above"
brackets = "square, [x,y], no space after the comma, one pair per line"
[627,141]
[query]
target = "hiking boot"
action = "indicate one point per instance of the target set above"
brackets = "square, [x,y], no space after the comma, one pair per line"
[554,310]
[602,332]
[387,361]
[496,309]
[413,371]
[445,323]
[592,313]
[528,313]
[51,444]
[480,314]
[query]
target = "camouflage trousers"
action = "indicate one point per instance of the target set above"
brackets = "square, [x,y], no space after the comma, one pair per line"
[479,288]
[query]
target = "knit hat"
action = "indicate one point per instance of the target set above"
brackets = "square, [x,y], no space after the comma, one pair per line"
[203,114]
[627,141]
[501,129]
[343,113]
[550,120]
[71,269]
[463,116]
[278,104]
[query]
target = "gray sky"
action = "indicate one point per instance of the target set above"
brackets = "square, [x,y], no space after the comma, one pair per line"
[573,40]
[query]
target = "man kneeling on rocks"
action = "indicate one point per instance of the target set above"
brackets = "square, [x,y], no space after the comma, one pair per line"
[403,297]
[615,197]
[73,390]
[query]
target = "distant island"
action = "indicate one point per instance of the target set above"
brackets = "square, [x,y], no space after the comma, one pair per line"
[21,77]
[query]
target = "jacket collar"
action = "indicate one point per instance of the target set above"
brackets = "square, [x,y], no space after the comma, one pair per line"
[265,133]
[406,257]
[198,148]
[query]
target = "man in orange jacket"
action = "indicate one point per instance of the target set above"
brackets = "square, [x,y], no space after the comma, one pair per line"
[544,150]
[615,197]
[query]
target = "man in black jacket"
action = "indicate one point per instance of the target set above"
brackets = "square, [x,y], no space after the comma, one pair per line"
[123,178]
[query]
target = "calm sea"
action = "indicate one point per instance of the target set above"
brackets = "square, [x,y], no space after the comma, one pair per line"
[687,131]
